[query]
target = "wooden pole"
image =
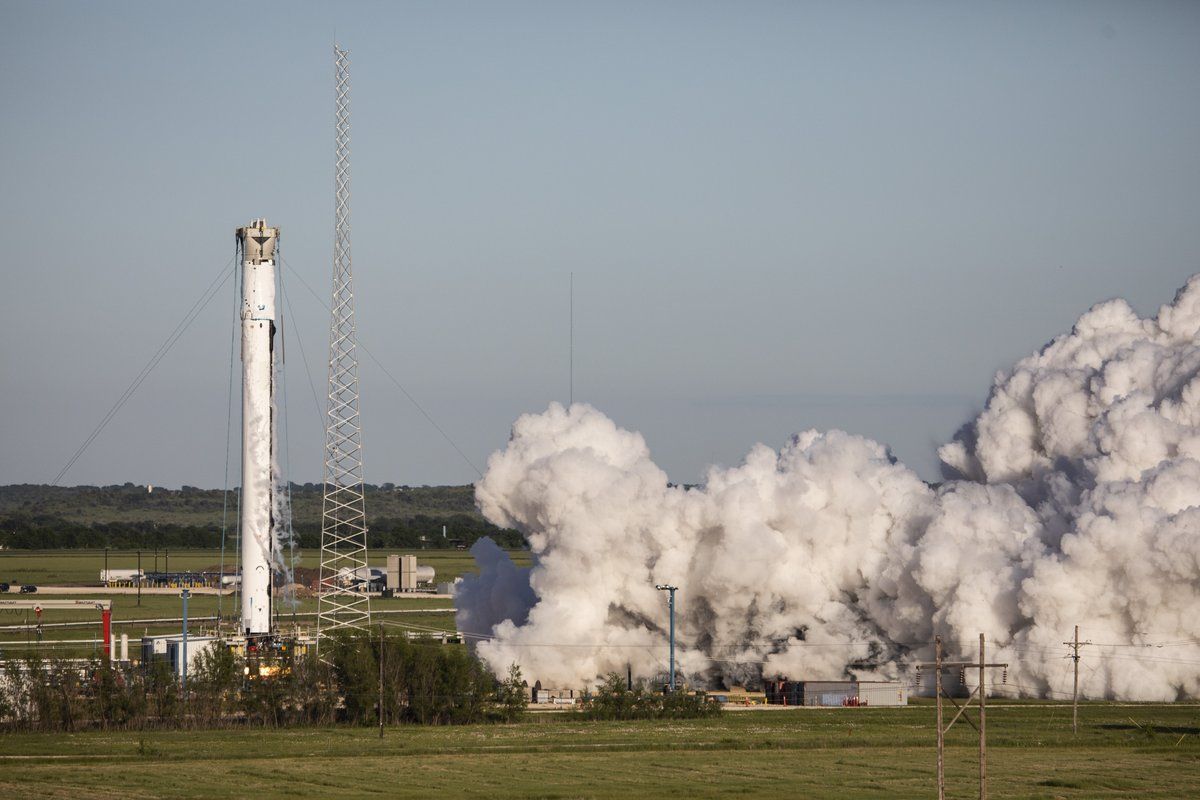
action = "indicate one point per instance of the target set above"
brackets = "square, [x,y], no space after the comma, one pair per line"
[982,723]
[185,594]
[1075,691]
[937,681]
[381,680]
[983,665]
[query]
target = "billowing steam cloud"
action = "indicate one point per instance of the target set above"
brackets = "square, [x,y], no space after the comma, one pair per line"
[1074,498]
[283,535]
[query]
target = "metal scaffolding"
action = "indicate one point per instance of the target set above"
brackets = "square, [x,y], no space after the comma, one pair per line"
[344,602]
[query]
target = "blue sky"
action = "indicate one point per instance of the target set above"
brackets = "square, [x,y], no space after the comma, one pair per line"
[778,215]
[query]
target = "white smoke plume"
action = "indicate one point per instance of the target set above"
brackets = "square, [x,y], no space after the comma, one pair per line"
[283,535]
[1073,499]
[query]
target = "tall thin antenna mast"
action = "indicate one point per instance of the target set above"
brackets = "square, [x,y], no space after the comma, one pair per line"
[343,600]
[571,393]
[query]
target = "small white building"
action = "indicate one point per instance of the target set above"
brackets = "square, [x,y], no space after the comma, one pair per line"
[169,648]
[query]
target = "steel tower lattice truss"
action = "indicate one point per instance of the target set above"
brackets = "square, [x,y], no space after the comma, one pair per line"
[343,598]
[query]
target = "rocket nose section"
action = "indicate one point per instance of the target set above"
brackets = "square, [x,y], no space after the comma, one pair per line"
[258,241]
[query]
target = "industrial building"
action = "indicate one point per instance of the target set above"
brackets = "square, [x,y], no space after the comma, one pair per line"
[834,694]
[557,697]
[405,575]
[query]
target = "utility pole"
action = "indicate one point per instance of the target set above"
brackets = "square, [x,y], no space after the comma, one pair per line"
[941,733]
[183,657]
[939,664]
[381,680]
[982,722]
[139,577]
[662,587]
[1075,645]
[107,579]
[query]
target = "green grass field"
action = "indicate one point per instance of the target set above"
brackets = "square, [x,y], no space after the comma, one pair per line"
[1121,751]
[82,567]
[418,614]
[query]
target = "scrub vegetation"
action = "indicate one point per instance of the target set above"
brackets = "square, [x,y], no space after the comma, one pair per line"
[613,700]
[368,679]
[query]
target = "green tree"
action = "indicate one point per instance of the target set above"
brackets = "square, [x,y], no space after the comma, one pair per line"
[511,695]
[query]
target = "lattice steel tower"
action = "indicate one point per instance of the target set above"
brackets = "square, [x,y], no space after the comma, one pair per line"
[343,600]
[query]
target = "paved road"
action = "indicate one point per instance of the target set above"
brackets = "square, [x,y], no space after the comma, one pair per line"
[174,591]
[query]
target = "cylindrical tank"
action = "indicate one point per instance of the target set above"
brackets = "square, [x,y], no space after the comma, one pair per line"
[258,424]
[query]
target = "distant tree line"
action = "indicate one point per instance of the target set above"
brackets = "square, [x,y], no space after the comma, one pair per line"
[422,683]
[50,532]
[90,503]
[422,530]
[43,532]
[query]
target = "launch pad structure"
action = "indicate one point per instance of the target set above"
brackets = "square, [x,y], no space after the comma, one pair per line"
[343,583]
[343,602]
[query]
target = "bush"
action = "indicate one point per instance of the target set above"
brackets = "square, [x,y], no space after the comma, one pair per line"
[613,701]
[423,683]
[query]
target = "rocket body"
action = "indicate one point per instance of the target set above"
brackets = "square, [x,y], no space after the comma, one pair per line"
[258,423]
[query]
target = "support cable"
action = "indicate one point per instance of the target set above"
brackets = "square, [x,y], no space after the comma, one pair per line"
[228,428]
[287,300]
[188,318]
[237,550]
[398,385]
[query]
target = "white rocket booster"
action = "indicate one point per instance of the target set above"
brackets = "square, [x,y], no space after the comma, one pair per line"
[258,425]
